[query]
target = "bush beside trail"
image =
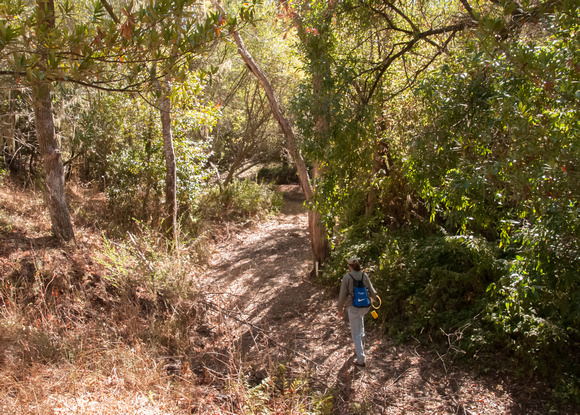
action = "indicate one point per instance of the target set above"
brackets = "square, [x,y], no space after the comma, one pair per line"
[447,289]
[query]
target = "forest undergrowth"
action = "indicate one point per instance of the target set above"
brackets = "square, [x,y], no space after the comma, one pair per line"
[112,324]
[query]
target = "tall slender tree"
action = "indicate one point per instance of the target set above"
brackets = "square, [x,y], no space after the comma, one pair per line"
[44,121]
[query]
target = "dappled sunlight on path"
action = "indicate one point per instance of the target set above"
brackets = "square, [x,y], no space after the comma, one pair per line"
[262,277]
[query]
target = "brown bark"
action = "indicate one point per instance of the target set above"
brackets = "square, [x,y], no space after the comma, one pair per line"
[45,134]
[238,160]
[377,165]
[278,114]
[53,167]
[255,119]
[322,125]
[318,239]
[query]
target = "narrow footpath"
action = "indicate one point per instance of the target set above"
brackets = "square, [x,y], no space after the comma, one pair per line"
[275,313]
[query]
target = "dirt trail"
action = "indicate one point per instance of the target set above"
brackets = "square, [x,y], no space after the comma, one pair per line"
[262,276]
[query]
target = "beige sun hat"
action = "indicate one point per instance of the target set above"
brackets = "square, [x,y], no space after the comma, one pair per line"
[353,260]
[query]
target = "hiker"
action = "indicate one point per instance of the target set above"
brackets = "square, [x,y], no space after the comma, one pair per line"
[356,314]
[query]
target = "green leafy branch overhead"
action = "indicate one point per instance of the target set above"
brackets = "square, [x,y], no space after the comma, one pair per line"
[94,45]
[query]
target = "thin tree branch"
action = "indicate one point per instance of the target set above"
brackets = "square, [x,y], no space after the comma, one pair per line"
[418,72]
[107,6]
[409,45]
[69,161]
[390,23]
[403,15]
[128,88]
[468,8]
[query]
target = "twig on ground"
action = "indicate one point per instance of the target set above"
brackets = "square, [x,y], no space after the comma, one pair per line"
[387,387]
[260,329]
[217,374]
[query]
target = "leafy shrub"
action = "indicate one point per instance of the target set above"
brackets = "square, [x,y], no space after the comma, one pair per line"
[136,178]
[134,181]
[506,171]
[535,305]
[521,298]
[242,199]
[426,282]
[283,173]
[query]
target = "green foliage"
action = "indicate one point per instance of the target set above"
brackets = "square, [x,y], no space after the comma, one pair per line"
[246,134]
[282,173]
[427,280]
[278,394]
[90,46]
[505,170]
[475,181]
[241,200]
[122,138]
[136,177]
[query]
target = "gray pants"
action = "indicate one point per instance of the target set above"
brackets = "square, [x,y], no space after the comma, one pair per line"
[356,318]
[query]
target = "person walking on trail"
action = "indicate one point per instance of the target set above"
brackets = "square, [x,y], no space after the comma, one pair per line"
[355,314]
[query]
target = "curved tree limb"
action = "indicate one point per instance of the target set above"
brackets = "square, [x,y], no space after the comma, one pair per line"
[409,45]
[277,112]
[109,9]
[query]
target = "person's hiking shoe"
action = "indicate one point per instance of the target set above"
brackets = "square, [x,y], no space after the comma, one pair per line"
[356,363]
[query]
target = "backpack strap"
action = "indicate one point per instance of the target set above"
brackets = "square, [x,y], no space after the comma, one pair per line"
[358,283]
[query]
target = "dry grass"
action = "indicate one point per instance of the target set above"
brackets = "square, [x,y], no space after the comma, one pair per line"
[109,325]
[82,329]
[110,379]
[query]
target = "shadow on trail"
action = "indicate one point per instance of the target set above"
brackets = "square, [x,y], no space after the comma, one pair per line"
[279,244]
[285,318]
[17,241]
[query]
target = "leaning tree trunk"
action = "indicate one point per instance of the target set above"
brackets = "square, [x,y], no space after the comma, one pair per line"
[315,227]
[278,114]
[45,134]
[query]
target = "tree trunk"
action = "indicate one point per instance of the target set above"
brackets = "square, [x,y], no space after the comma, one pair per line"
[321,247]
[235,165]
[320,59]
[317,231]
[278,114]
[45,134]
[53,167]
[170,220]
[371,201]
[319,242]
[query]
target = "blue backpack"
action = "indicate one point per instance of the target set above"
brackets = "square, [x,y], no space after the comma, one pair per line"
[360,297]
